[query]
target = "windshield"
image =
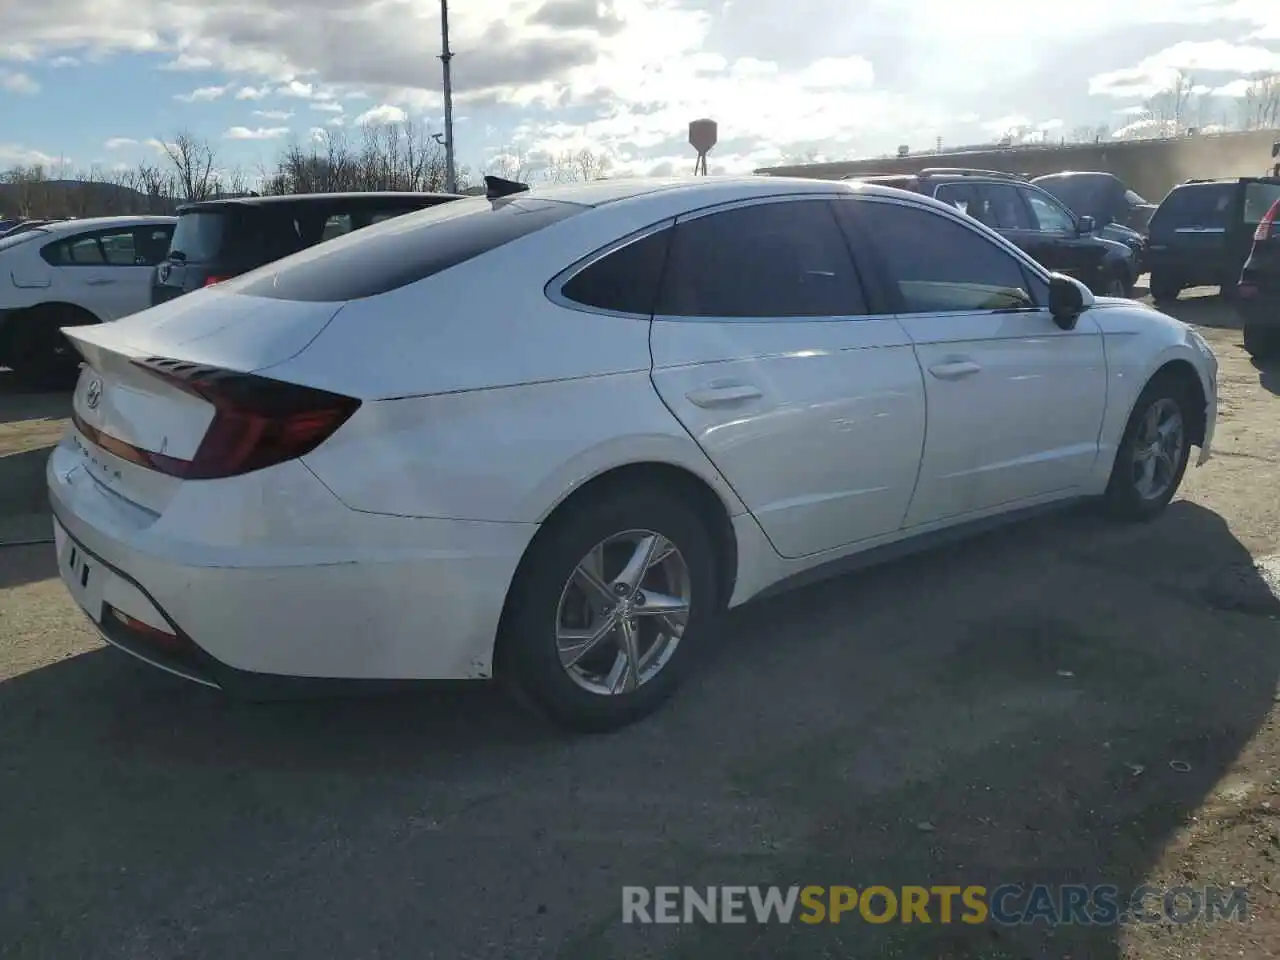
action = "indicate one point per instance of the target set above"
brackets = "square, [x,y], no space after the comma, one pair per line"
[1083,196]
[198,236]
[16,238]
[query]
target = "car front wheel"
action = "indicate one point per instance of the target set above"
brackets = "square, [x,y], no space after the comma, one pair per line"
[608,608]
[1165,287]
[1262,343]
[1153,452]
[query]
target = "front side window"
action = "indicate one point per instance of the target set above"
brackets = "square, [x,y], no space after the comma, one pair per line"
[965,198]
[937,264]
[1050,217]
[769,260]
[1258,199]
[1005,209]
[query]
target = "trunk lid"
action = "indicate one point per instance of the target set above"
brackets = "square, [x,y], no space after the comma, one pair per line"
[122,413]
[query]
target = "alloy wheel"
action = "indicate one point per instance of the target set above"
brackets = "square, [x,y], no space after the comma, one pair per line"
[1157,449]
[622,612]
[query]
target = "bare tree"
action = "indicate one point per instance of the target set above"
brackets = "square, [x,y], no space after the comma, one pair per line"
[511,164]
[1082,134]
[1259,108]
[1170,108]
[193,165]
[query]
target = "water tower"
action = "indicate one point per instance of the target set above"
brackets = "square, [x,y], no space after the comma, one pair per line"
[702,137]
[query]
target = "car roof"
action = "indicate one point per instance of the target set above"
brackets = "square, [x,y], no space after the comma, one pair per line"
[1076,173]
[316,198]
[595,193]
[103,223]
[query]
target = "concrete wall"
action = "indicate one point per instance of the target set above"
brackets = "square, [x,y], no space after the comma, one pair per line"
[1151,167]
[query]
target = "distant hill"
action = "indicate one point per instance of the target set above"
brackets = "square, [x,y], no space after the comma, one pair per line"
[77,198]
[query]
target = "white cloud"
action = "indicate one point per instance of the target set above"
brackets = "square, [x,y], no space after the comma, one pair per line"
[296,88]
[202,94]
[1157,72]
[1236,88]
[159,146]
[273,114]
[252,93]
[259,133]
[16,82]
[59,63]
[326,105]
[335,122]
[382,114]
[13,155]
[119,143]
[186,61]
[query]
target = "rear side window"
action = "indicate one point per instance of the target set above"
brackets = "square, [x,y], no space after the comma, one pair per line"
[198,236]
[402,250]
[624,281]
[771,260]
[1258,199]
[1196,205]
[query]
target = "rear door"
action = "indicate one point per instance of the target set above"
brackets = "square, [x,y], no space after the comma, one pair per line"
[768,348]
[107,271]
[194,251]
[1189,232]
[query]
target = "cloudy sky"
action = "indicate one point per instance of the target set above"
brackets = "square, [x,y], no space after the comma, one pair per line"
[100,81]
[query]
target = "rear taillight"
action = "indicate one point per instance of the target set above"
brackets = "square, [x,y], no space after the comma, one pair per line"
[257,422]
[210,281]
[1267,225]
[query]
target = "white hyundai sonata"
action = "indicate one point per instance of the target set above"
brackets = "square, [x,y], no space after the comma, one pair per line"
[548,435]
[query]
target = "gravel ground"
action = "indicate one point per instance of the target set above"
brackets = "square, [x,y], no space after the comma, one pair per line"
[1004,710]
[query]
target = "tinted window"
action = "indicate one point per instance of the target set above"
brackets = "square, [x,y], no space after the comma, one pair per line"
[402,250]
[151,244]
[198,236]
[1258,199]
[937,264]
[785,259]
[1133,199]
[964,197]
[336,226]
[1005,209]
[75,252]
[1195,205]
[1047,214]
[1082,195]
[626,280]
[388,214]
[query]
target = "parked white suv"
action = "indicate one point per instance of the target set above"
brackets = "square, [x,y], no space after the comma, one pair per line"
[73,273]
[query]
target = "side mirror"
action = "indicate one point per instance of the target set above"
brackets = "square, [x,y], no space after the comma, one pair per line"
[1087,225]
[1275,149]
[1068,299]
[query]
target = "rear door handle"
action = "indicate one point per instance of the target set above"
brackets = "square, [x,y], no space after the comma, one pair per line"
[954,369]
[98,281]
[723,395]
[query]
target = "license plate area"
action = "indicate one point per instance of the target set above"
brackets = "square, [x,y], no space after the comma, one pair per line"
[82,575]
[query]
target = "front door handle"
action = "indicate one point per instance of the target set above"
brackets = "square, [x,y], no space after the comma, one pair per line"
[98,281]
[723,395]
[954,369]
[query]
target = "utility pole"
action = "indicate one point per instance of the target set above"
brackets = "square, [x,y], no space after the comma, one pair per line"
[446,55]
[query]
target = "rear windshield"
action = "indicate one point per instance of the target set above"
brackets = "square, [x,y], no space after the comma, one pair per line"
[198,236]
[1258,199]
[1196,205]
[401,250]
[1083,196]
[16,238]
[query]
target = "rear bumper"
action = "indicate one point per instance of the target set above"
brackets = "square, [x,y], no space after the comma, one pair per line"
[401,601]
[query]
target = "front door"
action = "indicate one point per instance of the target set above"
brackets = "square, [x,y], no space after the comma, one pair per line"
[1015,403]
[766,350]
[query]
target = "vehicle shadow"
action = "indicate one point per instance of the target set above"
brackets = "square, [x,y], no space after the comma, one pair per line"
[20,400]
[1268,375]
[968,716]
[1205,311]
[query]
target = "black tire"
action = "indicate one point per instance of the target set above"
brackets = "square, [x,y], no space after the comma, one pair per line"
[1262,343]
[1165,288]
[38,352]
[529,662]
[1123,499]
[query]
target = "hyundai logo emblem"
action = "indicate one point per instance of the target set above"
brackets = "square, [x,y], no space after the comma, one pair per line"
[93,395]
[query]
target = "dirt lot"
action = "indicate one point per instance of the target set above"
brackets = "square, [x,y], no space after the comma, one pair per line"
[1006,710]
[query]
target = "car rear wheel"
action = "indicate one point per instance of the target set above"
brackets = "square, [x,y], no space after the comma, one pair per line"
[1153,452]
[608,609]
[1262,343]
[1165,287]
[37,350]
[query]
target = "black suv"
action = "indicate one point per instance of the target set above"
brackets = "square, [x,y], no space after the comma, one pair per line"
[1202,231]
[216,240]
[1101,195]
[1031,218]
